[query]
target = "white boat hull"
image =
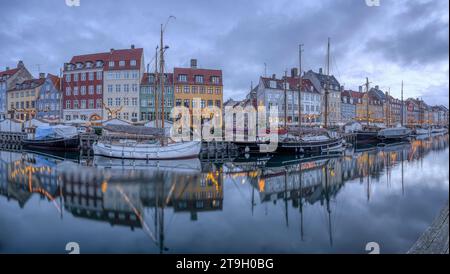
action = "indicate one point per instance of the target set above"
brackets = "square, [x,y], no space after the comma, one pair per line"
[422,131]
[182,150]
[439,130]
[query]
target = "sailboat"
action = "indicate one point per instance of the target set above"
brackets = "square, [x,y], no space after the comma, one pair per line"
[369,133]
[313,141]
[159,148]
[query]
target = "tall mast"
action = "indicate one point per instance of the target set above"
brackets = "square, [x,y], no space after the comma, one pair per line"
[161,70]
[300,87]
[285,99]
[367,103]
[402,105]
[156,87]
[327,84]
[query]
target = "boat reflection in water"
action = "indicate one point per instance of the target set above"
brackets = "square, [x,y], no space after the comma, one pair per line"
[146,195]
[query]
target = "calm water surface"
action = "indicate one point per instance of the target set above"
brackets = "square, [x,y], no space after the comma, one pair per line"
[268,205]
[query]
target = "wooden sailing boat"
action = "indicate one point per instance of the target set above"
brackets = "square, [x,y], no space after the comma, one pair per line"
[158,148]
[314,141]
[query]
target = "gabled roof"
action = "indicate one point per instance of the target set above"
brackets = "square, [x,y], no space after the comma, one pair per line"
[323,78]
[9,72]
[27,84]
[192,72]
[147,75]
[293,84]
[55,80]
[113,55]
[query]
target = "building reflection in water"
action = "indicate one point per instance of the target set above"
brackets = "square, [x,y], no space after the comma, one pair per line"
[122,192]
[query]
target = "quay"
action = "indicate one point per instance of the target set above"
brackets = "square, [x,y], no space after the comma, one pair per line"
[435,239]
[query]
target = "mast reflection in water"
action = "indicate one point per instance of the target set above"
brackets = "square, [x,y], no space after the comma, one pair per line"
[321,204]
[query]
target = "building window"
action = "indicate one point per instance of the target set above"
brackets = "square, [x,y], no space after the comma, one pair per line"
[99,103]
[67,117]
[83,104]
[99,75]
[91,103]
[117,88]
[178,102]
[182,78]
[125,101]
[186,103]
[134,87]
[199,79]
[68,78]
[126,87]
[202,103]
[111,64]
[68,105]
[134,75]
[134,101]
[83,76]
[99,89]
[210,103]
[218,103]
[194,89]
[110,88]
[91,76]
[121,63]
[110,102]
[202,90]
[215,79]
[186,89]
[67,91]
[75,104]
[178,89]
[210,90]
[91,90]
[117,101]
[75,77]
[125,115]
[75,91]
[83,90]
[218,91]
[133,62]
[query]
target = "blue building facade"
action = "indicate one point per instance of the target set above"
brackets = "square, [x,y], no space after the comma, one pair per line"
[48,102]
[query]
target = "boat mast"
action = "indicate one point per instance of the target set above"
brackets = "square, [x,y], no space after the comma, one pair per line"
[161,71]
[327,84]
[402,105]
[285,99]
[156,87]
[300,84]
[367,103]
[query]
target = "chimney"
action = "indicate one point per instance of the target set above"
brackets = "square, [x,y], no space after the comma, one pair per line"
[360,88]
[274,76]
[342,88]
[194,63]
[320,71]
[294,72]
[112,50]
[20,64]
[132,46]
[41,75]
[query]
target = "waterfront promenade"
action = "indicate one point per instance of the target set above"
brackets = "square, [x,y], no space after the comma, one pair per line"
[435,239]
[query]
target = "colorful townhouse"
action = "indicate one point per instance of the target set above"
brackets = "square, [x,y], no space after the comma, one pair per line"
[149,88]
[82,87]
[270,93]
[101,85]
[320,81]
[49,99]
[22,98]
[194,82]
[349,100]
[8,80]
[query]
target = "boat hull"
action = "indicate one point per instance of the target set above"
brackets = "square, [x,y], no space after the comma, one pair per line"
[309,147]
[183,150]
[54,144]
[367,137]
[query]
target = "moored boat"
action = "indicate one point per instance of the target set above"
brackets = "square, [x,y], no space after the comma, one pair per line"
[310,144]
[422,131]
[439,130]
[54,138]
[153,150]
[394,134]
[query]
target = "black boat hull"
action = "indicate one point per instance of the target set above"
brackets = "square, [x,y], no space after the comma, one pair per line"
[308,147]
[56,144]
[367,137]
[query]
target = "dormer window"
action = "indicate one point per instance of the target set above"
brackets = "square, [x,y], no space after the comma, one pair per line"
[79,65]
[273,84]
[99,64]
[121,63]
[111,64]
[133,62]
[199,79]
[215,79]
[88,64]
[182,78]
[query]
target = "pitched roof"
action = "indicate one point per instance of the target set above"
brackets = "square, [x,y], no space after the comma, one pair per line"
[192,72]
[147,75]
[293,84]
[114,55]
[55,79]
[323,78]
[8,72]
[27,84]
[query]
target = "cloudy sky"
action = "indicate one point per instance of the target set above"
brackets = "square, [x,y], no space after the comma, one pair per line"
[400,39]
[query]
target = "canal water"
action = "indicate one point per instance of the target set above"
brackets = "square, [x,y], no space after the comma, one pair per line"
[324,204]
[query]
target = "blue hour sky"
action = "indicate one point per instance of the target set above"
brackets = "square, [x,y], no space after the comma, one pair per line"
[398,40]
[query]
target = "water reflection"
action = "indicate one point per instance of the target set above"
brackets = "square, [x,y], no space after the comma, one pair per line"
[139,194]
